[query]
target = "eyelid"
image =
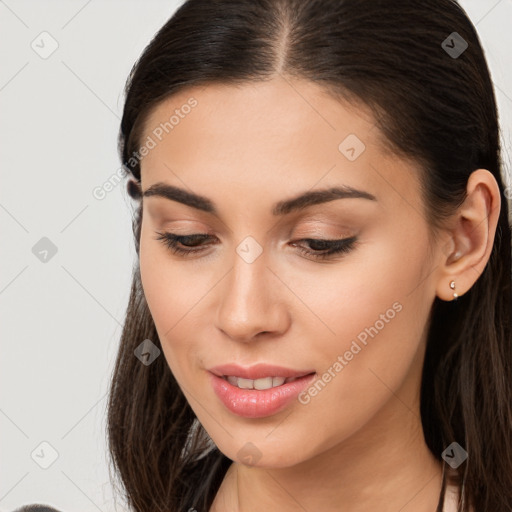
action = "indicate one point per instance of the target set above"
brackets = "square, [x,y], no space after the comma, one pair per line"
[324,234]
[324,229]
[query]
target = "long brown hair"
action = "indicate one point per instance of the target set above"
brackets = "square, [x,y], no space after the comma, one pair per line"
[433,106]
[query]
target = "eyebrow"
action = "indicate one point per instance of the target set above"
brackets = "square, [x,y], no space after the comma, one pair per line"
[297,203]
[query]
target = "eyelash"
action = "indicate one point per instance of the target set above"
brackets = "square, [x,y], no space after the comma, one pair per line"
[342,246]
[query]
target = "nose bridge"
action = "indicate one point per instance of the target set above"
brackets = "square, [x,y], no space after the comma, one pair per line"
[248,302]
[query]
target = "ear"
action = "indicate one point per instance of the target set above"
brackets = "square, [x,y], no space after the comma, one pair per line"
[470,237]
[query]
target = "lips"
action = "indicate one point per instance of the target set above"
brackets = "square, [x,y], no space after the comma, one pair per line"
[258,371]
[260,390]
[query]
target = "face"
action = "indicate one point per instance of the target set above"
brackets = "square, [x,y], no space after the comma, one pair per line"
[333,289]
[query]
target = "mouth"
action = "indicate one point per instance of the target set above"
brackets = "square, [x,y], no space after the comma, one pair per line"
[262,383]
[258,391]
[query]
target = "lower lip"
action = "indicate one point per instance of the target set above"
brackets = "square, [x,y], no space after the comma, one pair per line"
[254,403]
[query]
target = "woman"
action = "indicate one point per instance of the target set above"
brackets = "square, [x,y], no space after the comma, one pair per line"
[320,312]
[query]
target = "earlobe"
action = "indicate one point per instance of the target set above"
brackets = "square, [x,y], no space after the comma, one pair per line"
[471,236]
[455,294]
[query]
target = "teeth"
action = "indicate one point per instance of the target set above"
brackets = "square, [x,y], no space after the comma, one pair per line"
[260,384]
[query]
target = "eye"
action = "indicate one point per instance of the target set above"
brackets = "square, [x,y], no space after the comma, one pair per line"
[323,249]
[173,242]
[186,245]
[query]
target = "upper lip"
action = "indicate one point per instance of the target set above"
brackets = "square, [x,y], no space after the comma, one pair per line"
[257,371]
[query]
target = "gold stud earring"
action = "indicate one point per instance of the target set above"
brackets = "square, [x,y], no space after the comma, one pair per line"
[452,286]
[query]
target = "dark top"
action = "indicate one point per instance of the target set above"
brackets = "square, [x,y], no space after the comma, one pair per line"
[36,508]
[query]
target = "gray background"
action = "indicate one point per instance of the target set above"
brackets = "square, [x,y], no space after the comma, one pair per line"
[61,318]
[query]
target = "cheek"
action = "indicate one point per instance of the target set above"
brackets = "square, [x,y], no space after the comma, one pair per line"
[170,300]
[363,292]
[373,314]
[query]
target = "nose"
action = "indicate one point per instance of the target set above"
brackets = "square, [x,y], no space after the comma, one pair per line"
[252,302]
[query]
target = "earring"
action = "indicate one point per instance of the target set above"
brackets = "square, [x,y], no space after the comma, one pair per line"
[452,286]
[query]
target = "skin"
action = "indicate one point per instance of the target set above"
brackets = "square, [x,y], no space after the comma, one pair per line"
[359,442]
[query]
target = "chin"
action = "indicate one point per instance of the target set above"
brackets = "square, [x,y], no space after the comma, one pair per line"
[264,454]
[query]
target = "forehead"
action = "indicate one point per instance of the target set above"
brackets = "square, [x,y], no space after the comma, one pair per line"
[279,132]
[277,109]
